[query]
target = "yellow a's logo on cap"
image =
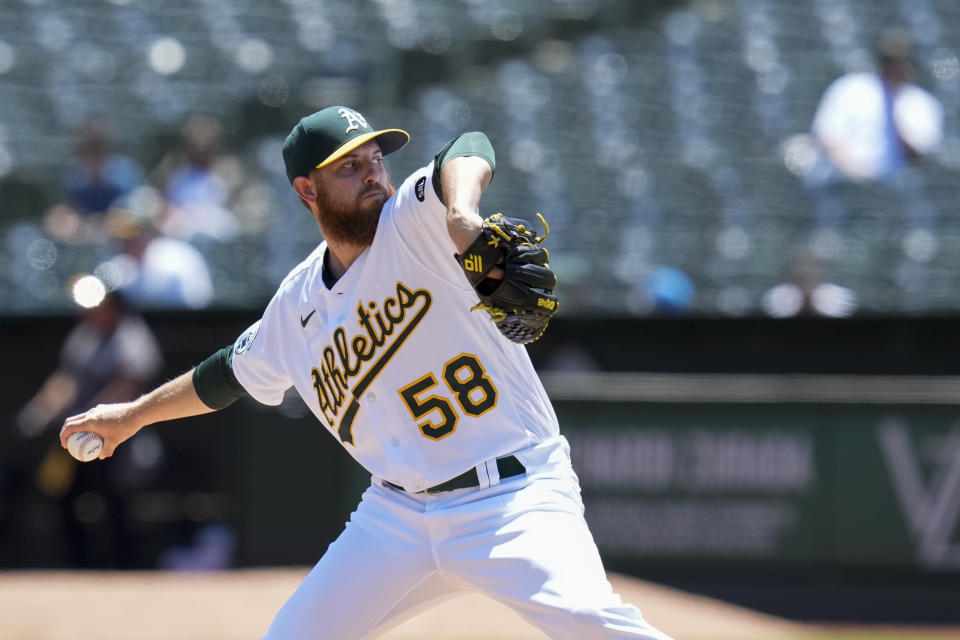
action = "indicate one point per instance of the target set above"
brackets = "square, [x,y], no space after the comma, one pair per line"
[353,118]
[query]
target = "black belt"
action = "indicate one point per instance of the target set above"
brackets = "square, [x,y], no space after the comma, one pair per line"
[508,467]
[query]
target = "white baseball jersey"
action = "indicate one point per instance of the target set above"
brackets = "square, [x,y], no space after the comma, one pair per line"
[391,360]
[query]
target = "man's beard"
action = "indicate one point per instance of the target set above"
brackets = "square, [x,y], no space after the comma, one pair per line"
[355,225]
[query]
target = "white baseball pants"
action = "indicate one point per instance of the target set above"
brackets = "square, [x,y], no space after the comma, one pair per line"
[522,541]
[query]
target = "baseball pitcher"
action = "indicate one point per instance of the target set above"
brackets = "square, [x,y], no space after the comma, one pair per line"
[403,332]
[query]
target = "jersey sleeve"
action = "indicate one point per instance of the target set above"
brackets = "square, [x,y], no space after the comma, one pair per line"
[419,208]
[420,219]
[420,216]
[257,359]
[215,382]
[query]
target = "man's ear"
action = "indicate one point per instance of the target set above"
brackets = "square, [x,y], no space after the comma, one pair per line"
[305,189]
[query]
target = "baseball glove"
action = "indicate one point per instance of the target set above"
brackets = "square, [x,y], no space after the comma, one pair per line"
[522,303]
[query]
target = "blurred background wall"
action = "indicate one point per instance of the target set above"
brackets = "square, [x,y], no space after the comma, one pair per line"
[756,358]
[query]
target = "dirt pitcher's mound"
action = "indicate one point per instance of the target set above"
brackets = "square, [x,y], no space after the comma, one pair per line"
[238,605]
[683,616]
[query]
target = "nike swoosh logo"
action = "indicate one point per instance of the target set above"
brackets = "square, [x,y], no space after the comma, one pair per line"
[304,321]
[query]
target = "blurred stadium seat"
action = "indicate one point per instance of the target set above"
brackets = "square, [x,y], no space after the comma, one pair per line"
[652,137]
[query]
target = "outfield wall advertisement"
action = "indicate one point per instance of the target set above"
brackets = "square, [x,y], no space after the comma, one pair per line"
[778,485]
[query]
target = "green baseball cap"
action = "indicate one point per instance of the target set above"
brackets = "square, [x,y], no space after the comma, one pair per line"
[331,133]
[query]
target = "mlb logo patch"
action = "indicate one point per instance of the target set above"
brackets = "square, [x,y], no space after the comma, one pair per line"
[421,188]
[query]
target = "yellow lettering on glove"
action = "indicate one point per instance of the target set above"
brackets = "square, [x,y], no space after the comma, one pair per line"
[473,263]
[546,303]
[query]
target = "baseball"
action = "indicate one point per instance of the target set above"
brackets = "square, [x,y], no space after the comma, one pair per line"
[84,445]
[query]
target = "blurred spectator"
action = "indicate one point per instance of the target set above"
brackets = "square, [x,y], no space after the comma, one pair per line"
[806,293]
[871,124]
[95,179]
[662,290]
[197,182]
[110,355]
[153,270]
[165,272]
[669,290]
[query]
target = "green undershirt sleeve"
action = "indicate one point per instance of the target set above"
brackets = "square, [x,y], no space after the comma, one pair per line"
[473,143]
[214,381]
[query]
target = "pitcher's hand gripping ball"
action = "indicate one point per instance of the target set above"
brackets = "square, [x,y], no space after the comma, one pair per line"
[522,303]
[84,445]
